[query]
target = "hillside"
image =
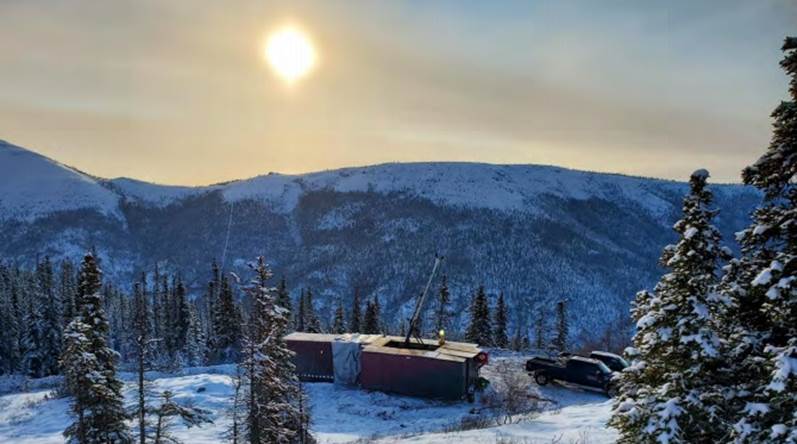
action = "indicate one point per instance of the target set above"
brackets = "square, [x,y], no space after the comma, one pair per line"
[537,233]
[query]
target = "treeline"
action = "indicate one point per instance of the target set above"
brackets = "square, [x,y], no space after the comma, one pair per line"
[36,305]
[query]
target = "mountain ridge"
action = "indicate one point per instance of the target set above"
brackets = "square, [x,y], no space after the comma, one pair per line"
[258,186]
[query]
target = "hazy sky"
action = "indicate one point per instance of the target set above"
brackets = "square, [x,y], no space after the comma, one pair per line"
[178,91]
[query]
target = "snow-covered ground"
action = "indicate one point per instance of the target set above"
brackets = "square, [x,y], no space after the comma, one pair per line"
[340,414]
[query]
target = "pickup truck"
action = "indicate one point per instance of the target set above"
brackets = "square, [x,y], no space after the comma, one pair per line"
[578,370]
[616,363]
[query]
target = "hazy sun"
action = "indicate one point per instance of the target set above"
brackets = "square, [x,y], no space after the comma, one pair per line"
[290,53]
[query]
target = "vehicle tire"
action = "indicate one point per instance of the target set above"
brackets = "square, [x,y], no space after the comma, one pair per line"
[541,378]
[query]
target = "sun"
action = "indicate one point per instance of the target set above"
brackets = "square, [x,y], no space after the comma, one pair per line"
[290,53]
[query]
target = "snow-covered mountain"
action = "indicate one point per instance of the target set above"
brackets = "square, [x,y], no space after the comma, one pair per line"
[33,186]
[538,233]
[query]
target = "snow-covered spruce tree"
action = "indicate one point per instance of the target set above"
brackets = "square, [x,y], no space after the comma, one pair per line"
[312,324]
[562,327]
[10,353]
[90,369]
[284,297]
[179,324]
[480,329]
[226,324]
[52,318]
[42,339]
[443,314]
[762,286]
[195,348]
[371,320]
[540,332]
[500,338]
[670,394]
[68,291]
[356,313]
[272,393]
[300,318]
[339,323]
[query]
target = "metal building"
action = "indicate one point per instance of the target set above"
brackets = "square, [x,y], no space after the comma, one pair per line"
[376,362]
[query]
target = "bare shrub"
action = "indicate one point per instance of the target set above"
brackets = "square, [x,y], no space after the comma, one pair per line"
[470,422]
[512,395]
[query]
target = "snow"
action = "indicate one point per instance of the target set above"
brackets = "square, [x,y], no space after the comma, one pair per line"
[760,229]
[690,232]
[576,422]
[32,186]
[701,174]
[756,408]
[152,194]
[763,278]
[339,414]
[778,430]
[473,185]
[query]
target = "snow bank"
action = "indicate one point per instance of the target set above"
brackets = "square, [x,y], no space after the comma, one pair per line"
[339,414]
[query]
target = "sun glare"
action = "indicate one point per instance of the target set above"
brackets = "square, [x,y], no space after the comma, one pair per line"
[290,53]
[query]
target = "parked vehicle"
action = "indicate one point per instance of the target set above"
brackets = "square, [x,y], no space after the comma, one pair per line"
[577,370]
[616,363]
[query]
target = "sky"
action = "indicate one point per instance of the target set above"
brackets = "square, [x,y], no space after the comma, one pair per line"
[179,92]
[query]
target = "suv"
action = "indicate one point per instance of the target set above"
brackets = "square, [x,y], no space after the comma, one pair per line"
[573,369]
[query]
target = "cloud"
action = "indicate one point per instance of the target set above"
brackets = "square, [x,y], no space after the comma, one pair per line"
[179,91]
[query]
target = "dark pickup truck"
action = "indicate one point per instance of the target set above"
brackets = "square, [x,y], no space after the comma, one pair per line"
[616,363]
[572,369]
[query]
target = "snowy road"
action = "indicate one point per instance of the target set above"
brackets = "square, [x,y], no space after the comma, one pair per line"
[339,415]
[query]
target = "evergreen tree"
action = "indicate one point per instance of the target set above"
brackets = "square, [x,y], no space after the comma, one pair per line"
[517,340]
[272,392]
[339,324]
[156,302]
[312,324]
[443,315]
[180,321]
[141,334]
[10,353]
[42,341]
[90,368]
[284,297]
[480,330]
[68,290]
[33,338]
[500,338]
[226,324]
[762,287]
[560,342]
[371,319]
[540,339]
[301,314]
[356,312]
[670,393]
[195,343]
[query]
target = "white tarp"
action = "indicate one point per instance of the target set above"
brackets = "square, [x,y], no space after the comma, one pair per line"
[346,361]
